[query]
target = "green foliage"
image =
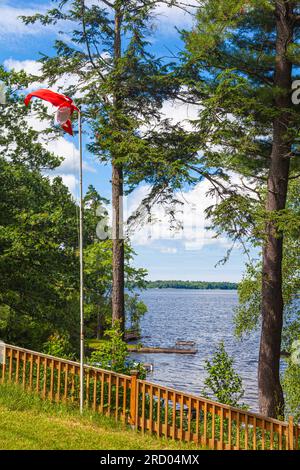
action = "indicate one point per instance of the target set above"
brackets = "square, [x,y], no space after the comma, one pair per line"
[248,311]
[20,144]
[291,386]
[191,285]
[39,268]
[228,70]
[135,309]
[222,380]
[98,285]
[247,317]
[38,259]
[113,354]
[58,346]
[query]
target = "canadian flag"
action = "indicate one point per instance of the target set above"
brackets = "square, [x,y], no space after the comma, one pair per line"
[65,106]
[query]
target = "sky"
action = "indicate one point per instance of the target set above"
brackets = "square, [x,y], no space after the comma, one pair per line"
[190,253]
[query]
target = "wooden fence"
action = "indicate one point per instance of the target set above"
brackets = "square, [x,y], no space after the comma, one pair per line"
[149,407]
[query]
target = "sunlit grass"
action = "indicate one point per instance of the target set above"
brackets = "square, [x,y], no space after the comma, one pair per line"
[97,343]
[28,422]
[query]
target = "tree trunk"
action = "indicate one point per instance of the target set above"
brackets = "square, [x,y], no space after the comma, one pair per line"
[117,202]
[118,248]
[100,323]
[271,401]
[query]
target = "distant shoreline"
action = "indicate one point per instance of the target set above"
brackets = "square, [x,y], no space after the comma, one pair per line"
[191,285]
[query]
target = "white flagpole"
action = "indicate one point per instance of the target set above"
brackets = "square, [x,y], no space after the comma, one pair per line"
[81,266]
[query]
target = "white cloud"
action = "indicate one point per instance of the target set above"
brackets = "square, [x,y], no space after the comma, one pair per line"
[168,250]
[69,168]
[168,18]
[192,233]
[69,180]
[179,112]
[30,66]
[67,150]
[11,24]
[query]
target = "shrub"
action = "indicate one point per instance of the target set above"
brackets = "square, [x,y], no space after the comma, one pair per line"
[113,354]
[222,380]
[58,346]
[291,387]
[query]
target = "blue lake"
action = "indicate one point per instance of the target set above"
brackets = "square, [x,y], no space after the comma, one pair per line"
[203,316]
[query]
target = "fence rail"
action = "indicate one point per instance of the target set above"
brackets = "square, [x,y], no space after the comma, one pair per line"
[149,407]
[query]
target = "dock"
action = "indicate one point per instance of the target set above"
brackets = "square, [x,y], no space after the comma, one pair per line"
[149,350]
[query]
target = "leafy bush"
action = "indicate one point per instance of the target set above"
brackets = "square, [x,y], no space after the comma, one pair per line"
[58,346]
[291,387]
[135,310]
[113,354]
[222,380]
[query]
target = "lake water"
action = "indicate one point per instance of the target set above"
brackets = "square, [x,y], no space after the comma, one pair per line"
[203,316]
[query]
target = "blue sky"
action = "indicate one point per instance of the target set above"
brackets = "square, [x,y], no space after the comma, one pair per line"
[190,254]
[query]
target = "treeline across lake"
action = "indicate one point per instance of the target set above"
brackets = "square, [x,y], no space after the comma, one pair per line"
[191,285]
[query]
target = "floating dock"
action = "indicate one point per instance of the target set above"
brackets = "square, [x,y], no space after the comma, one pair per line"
[185,343]
[149,350]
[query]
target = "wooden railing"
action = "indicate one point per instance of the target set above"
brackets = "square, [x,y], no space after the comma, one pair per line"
[58,380]
[148,407]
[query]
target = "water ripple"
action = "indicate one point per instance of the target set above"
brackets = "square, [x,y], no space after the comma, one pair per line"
[203,316]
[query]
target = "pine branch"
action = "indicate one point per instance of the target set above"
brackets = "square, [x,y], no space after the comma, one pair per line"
[87,42]
[170,3]
[296,20]
[294,177]
[108,4]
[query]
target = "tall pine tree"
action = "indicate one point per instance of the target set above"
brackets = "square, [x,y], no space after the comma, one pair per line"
[241,59]
[121,87]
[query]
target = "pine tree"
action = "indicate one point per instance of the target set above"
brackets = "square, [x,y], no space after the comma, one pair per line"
[241,59]
[121,87]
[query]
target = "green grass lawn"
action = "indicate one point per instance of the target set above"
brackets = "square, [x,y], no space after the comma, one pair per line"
[95,343]
[28,422]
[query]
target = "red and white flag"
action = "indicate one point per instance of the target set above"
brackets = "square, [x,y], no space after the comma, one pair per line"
[65,106]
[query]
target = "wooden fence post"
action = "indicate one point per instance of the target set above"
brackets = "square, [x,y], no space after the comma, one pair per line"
[133,398]
[3,361]
[291,433]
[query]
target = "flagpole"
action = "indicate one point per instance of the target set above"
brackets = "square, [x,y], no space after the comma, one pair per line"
[81,266]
